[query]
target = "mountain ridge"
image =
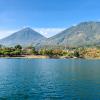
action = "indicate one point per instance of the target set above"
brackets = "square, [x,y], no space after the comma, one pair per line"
[84,33]
[26,36]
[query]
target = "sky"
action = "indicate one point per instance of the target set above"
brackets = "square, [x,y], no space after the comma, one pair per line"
[48,17]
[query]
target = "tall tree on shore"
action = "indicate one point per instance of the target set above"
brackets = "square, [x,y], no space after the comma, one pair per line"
[18,47]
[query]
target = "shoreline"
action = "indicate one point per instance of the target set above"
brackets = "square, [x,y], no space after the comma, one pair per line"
[48,57]
[27,56]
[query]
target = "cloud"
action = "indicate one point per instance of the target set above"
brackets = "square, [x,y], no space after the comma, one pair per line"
[48,32]
[5,33]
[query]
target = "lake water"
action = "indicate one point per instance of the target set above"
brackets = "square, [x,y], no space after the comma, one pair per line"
[49,79]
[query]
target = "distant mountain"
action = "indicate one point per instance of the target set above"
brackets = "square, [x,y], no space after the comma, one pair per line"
[24,37]
[85,33]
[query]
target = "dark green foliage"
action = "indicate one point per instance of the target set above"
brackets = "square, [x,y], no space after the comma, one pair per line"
[33,50]
[76,54]
[11,51]
[18,47]
[52,52]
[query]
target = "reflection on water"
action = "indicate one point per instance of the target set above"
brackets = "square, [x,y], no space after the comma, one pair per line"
[49,79]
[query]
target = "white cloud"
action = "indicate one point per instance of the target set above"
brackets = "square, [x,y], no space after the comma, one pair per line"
[5,33]
[48,32]
[74,24]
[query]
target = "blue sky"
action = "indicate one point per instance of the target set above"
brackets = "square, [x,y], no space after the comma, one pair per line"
[46,14]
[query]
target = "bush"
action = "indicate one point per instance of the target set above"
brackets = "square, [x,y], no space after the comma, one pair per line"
[76,54]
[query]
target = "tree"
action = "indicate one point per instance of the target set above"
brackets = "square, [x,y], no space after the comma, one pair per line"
[42,52]
[29,50]
[18,47]
[34,51]
[76,54]
[57,52]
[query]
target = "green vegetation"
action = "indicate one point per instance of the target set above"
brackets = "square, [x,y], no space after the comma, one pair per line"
[75,52]
[11,51]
